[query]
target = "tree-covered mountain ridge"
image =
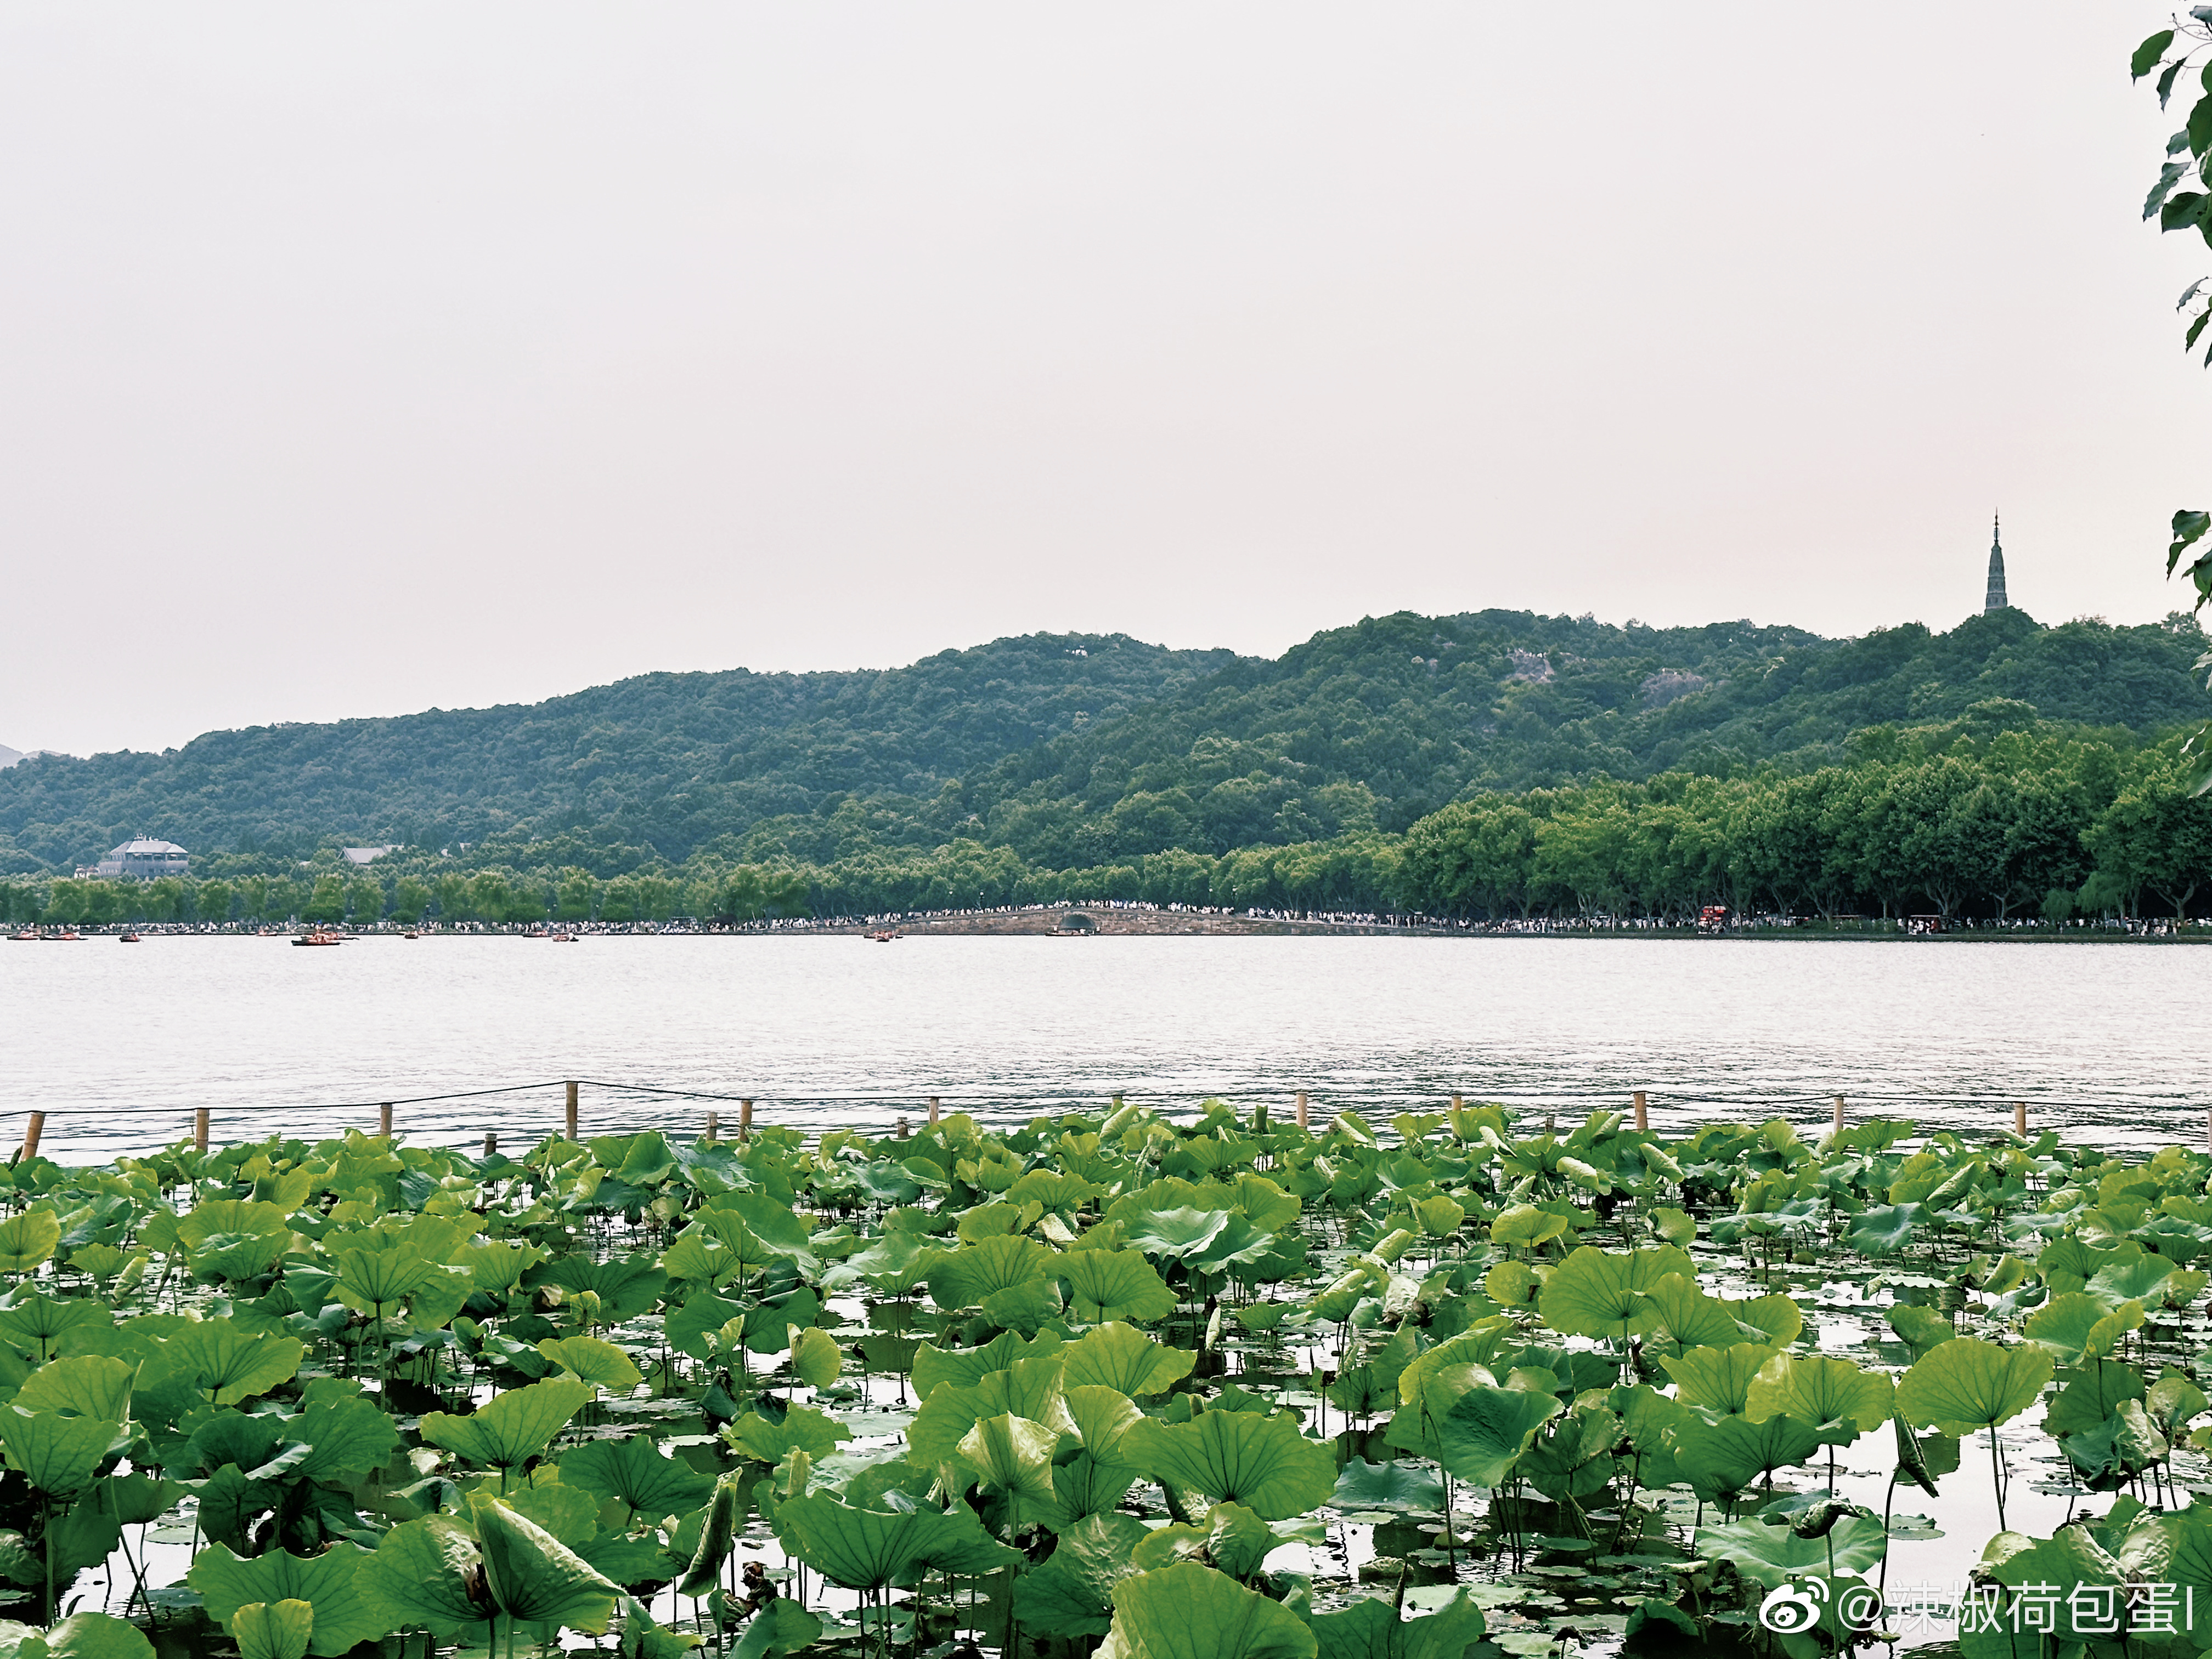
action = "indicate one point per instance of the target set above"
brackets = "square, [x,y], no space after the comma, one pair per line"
[1073,751]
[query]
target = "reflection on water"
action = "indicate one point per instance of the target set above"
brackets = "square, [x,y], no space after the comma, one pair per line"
[120,1047]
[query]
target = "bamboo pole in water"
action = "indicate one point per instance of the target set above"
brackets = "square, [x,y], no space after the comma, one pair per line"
[745,1119]
[200,1130]
[1839,1115]
[384,1118]
[2020,1119]
[933,1111]
[31,1133]
[1302,1108]
[1643,1114]
[572,1111]
[491,1145]
[713,1126]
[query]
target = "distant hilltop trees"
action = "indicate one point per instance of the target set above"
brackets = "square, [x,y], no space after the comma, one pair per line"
[1334,776]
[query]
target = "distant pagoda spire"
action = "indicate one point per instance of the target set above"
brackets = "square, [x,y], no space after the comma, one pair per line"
[1996,600]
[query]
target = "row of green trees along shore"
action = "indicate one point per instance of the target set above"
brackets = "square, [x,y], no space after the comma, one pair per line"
[1953,820]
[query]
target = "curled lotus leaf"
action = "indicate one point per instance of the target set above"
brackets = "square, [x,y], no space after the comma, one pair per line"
[1188,1611]
[964,1277]
[90,1385]
[1113,1285]
[1598,1292]
[1718,1379]
[1120,1356]
[868,1549]
[1967,1384]
[1237,1457]
[1822,1391]
[593,1360]
[532,1576]
[1371,1629]
[348,1608]
[273,1630]
[511,1428]
[635,1470]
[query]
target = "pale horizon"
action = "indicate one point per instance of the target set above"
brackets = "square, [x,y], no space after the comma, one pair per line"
[357,364]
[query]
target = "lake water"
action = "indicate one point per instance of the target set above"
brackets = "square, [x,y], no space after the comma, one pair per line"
[119,1046]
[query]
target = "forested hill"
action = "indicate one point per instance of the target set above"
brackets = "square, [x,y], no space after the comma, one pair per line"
[1372,727]
[1076,748]
[678,757]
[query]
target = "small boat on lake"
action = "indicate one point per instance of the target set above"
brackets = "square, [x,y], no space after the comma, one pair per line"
[320,936]
[60,937]
[28,935]
[886,935]
[127,939]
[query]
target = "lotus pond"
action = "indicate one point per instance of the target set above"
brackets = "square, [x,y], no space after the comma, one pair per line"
[1109,1384]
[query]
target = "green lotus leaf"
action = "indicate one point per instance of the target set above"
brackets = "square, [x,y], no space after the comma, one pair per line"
[1228,1536]
[344,1436]
[1768,1554]
[691,1329]
[1055,1189]
[1718,1379]
[2093,1393]
[57,1455]
[1028,1387]
[141,1499]
[816,1359]
[82,1635]
[1821,1392]
[496,1265]
[372,1281]
[216,1358]
[2136,1280]
[347,1607]
[1525,1226]
[2173,1401]
[595,1361]
[1371,1629]
[273,1630]
[2076,1326]
[1598,1293]
[1924,1459]
[781,1626]
[1191,1611]
[570,1515]
[1775,1320]
[1920,1328]
[1967,1384]
[1883,1231]
[1025,1307]
[633,1470]
[1013,1455]
[2072,1559]
[1675,1226]
[511,1428]
[1364,1486]
[964,1277]
[1438,1375]
[1177,1233]
[1113,1285]
[1102,1417]
[1726,1456]
[28,1239]
[1574,1457]
[41,1325]
[966,1367]
[1237,1457]
[716,1537]
[91,1385]
[1071,1593]
[1119,1356]
[626,1286]
[869,1549]
[804,1429]
[1684,1316]
[1484,1432]
[532,1576]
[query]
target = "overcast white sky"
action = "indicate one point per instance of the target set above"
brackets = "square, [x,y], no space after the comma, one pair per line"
[356,360]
